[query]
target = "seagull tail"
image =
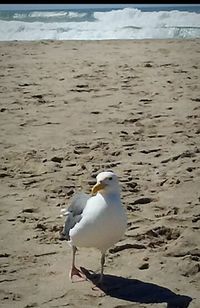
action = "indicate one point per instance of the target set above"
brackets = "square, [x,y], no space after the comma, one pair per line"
[64,212]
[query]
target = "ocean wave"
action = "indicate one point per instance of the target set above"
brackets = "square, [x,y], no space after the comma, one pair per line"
[126,23]
[72,14]
[46,16]
[38,14]
[137,18]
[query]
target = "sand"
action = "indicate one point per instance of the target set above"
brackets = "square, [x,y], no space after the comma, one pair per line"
[70,109]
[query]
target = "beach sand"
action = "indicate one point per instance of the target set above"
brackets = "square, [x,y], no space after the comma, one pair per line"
[70,109]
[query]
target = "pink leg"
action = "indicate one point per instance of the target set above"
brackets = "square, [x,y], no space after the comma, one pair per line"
[100,282]
[75,272]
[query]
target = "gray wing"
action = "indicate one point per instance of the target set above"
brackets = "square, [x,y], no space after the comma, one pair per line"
[74,213]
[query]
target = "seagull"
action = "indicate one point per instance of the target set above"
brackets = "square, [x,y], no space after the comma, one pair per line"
[98,220]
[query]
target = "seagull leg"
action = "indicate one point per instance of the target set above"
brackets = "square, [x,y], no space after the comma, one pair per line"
[102,265]
[74,270]
[100,281]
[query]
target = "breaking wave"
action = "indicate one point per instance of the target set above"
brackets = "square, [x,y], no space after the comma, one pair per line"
[127,23]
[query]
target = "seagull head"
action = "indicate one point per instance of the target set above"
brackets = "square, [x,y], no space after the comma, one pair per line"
[107,182]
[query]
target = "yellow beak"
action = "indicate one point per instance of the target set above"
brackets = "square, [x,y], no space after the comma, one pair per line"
[97,187]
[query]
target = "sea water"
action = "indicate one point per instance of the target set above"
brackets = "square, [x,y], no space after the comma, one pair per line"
[150,22]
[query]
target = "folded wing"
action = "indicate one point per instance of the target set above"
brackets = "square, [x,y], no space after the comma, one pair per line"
[73,213]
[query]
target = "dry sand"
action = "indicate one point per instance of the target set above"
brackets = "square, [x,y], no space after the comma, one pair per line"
[71,109]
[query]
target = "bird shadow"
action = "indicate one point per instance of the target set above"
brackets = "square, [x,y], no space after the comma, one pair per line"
[137,291]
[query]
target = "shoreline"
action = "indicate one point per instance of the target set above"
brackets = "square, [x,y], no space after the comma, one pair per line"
[104,40]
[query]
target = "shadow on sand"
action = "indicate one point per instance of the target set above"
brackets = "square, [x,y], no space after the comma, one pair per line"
[138,291]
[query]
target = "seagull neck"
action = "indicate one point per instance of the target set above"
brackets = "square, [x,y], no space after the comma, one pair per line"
[110,194]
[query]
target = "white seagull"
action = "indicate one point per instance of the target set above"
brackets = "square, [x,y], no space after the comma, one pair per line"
[97,221]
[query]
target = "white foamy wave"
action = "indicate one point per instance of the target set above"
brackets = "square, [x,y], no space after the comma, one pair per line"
[43,15]
[76,14]
[116,24]
[39,14]
[48,14]
[137,18]
[19,16]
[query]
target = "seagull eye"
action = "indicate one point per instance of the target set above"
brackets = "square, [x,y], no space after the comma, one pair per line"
[110,178]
